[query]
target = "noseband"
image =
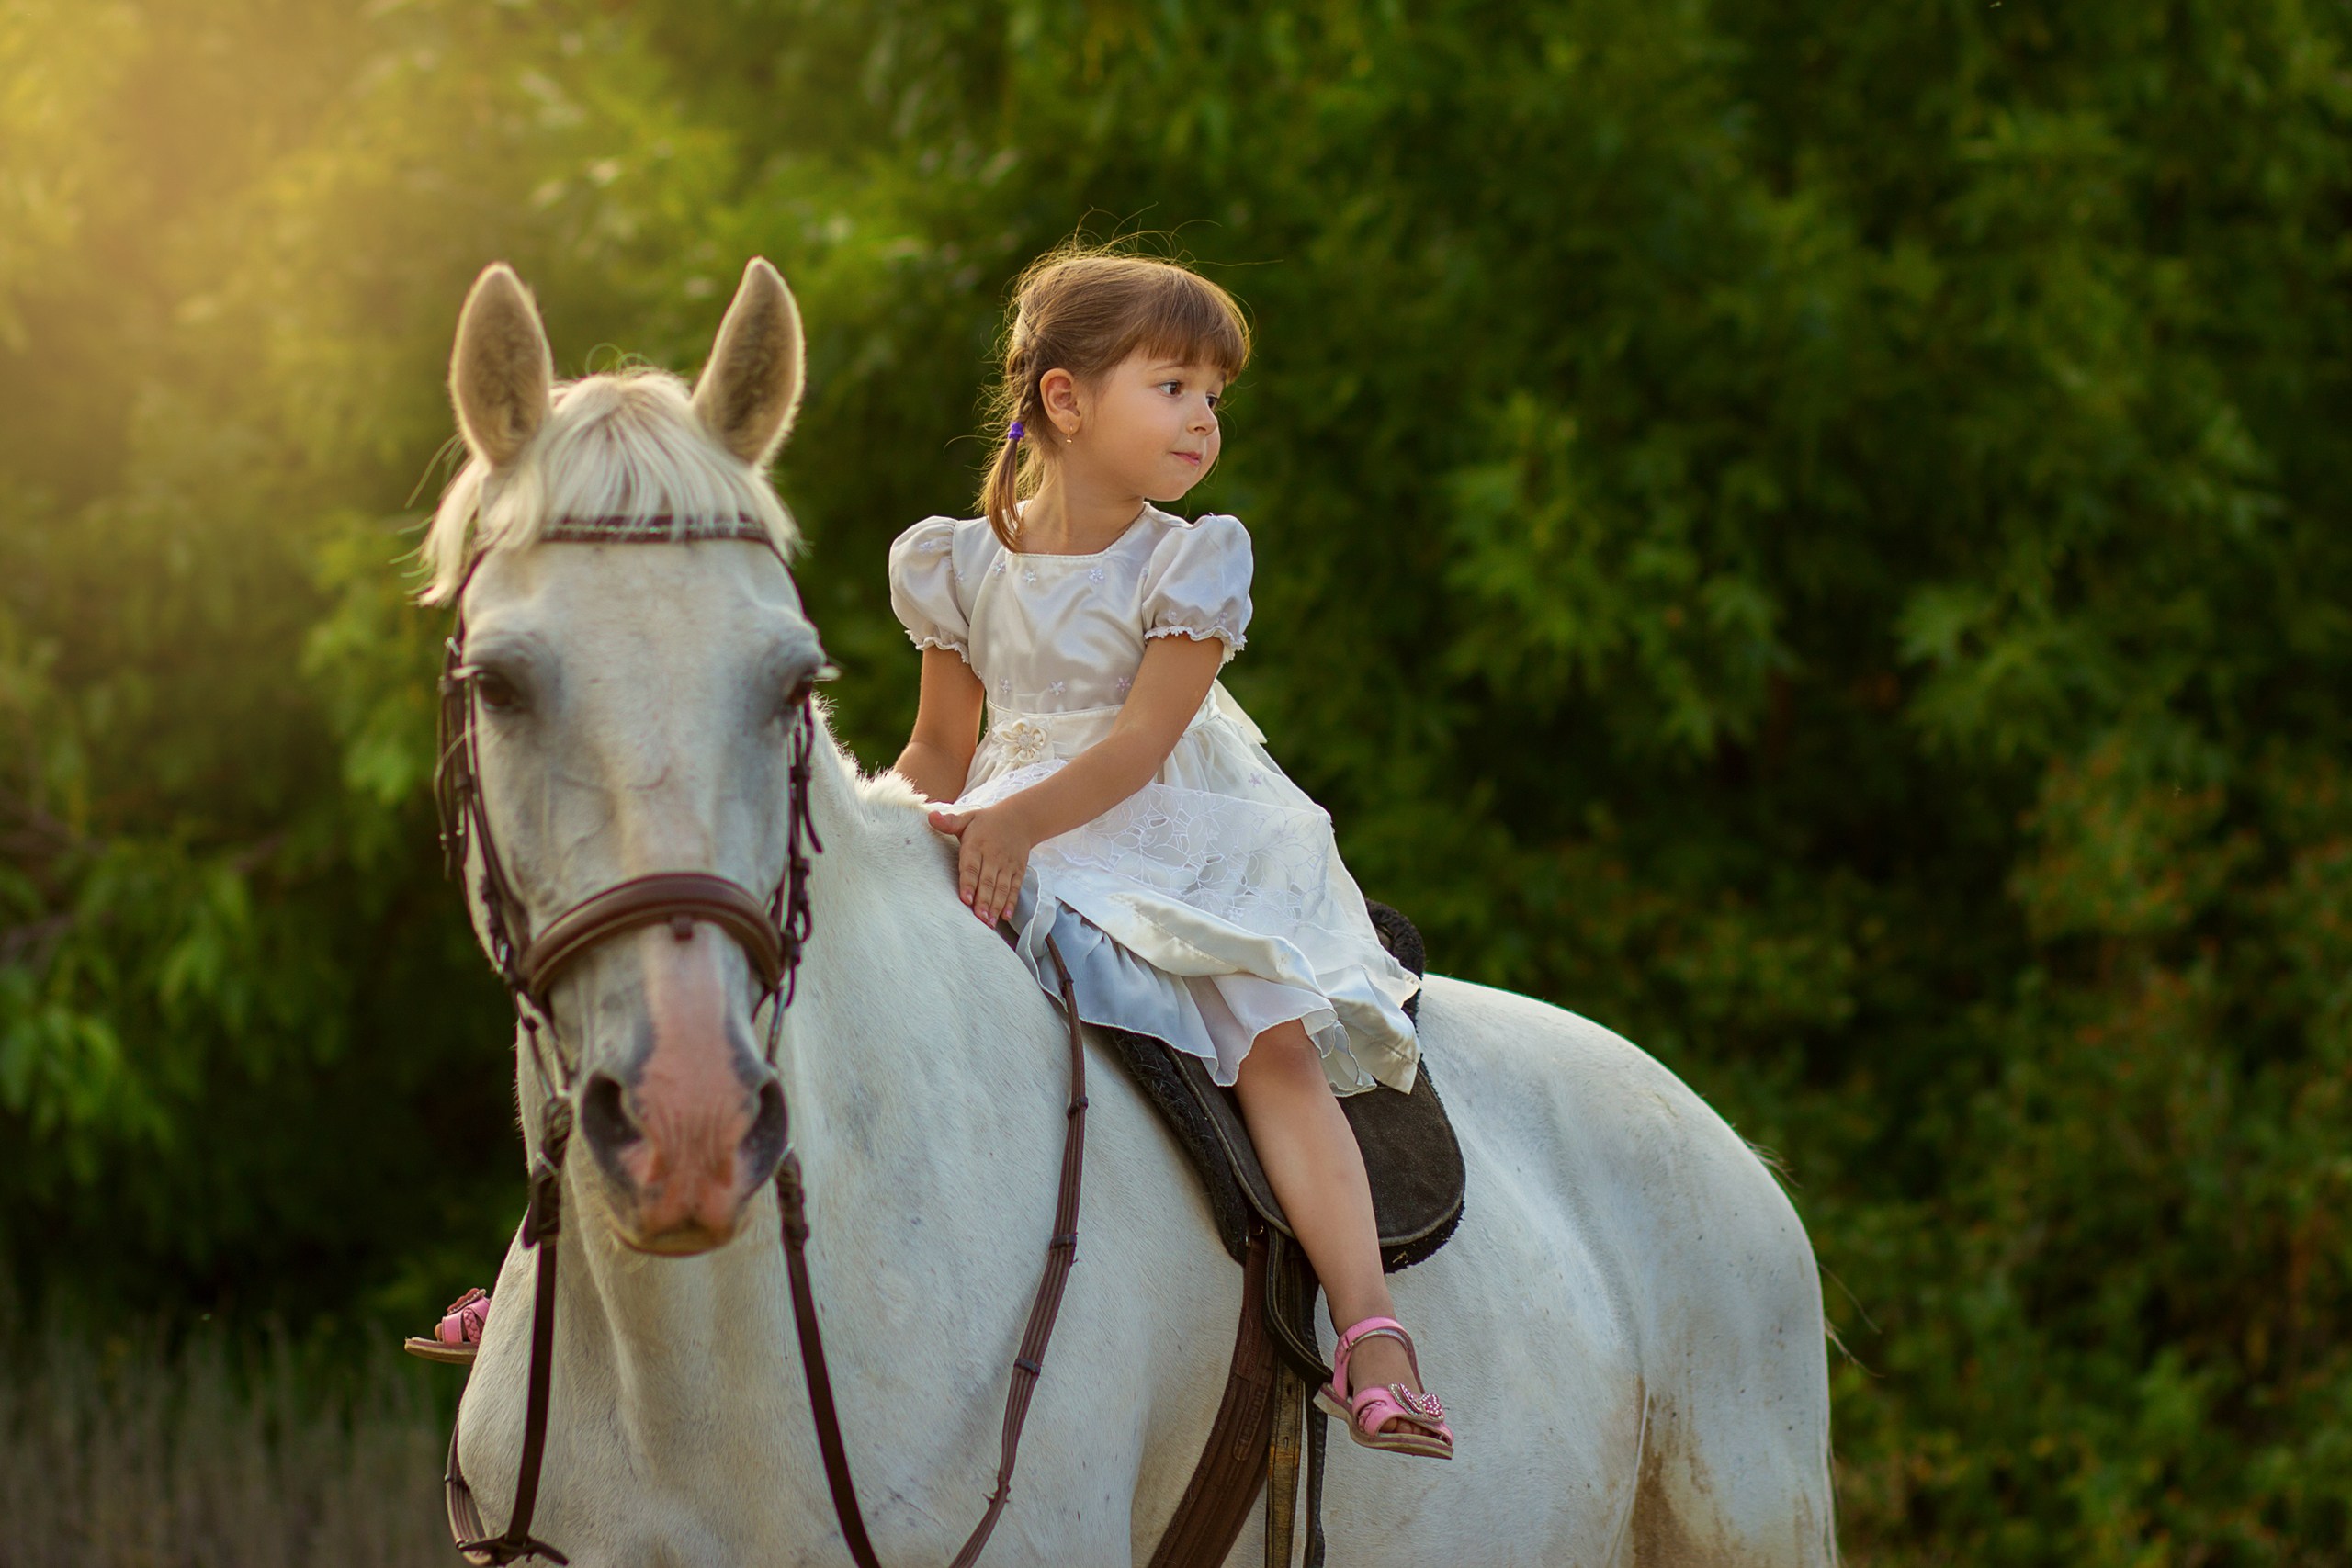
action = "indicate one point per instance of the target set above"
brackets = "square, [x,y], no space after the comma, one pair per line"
[772,933]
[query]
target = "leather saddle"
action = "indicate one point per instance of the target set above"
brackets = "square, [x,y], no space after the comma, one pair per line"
[1409,1151]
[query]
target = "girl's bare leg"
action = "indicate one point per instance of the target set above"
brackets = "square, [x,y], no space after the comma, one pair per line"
[1311,1160]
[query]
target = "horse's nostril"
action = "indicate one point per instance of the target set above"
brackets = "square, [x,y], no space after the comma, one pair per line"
[764,1145]
[603,1117]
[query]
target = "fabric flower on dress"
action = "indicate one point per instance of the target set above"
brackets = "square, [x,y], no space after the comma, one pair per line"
[1023,742]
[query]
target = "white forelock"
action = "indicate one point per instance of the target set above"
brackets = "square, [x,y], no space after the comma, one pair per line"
[626,444]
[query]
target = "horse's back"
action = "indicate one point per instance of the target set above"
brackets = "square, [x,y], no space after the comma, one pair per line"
[1572,1116]
[1629,1281]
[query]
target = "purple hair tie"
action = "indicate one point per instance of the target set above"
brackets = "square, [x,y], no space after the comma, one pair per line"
[1016,432]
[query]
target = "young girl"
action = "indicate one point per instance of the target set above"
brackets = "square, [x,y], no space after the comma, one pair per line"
[1122,803]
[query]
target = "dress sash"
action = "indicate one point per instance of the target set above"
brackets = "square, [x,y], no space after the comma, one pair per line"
[1022,740]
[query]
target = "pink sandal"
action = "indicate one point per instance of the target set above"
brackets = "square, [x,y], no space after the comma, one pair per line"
[1424,1432]
[459,1333]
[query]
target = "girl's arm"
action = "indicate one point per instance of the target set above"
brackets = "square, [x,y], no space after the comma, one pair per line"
[1175,676]
[947,726]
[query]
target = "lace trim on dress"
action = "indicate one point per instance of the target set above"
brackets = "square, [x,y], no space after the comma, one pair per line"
[959,650]
[1234,641]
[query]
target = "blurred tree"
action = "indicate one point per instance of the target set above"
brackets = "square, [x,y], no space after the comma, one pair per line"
[1806,533]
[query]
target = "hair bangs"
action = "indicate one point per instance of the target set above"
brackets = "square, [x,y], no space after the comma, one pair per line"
[1187,319]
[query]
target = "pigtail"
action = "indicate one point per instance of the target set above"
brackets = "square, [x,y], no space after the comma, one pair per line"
[1001,495]
[1011,409]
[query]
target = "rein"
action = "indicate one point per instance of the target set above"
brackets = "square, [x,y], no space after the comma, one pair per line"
[1028,1362]
[774,934]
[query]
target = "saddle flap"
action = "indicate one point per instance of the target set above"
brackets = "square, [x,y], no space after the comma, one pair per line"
[1409,1150]
[1410,1154]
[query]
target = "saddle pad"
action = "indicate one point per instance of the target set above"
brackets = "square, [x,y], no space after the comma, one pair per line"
[1409,1145]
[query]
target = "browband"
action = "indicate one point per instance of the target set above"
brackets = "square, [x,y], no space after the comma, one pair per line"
[658,530]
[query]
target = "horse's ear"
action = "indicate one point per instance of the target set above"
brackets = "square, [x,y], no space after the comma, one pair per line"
[751,388]
[500,374]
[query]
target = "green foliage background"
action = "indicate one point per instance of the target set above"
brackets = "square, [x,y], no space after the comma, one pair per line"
[1807,533]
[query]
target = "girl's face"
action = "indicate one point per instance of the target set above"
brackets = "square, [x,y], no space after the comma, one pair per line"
[1147,425]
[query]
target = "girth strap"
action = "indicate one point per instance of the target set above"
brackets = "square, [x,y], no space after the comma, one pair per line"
[1232,1466]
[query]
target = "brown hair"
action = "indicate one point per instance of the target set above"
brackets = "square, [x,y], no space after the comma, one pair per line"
[1084,310]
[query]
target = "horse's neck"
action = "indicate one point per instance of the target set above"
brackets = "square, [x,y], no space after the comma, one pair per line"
[911,1054]
[917,1030]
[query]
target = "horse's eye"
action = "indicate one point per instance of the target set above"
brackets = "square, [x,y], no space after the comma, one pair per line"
[796,695]
[496,692]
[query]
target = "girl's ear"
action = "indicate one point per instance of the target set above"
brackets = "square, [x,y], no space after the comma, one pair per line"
[1057,390]
[500,375]
[751,388]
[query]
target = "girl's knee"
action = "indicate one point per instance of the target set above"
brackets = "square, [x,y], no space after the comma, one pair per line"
[1285,1050]
[1290,1035]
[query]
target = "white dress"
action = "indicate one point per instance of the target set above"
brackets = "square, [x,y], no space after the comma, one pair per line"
[1211,905]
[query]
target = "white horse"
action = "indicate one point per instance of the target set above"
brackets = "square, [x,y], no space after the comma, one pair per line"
[1626,1329]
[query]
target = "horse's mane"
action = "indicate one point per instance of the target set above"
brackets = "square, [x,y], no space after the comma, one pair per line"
[625,445]
[885,796]
[882,798]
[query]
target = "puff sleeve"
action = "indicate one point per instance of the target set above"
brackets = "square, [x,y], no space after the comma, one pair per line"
[922,587]
[1197,583]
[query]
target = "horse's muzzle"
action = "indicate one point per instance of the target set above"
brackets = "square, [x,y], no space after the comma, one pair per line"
[689,1123]
[677,1177]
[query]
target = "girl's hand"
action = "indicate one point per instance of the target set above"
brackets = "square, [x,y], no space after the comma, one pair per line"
[993,848]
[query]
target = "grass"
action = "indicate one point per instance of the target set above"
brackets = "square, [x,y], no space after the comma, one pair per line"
[123,1453]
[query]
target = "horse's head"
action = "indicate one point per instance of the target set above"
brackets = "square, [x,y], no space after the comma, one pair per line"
[632,706]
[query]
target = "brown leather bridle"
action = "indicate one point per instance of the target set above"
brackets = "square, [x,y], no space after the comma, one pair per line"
[772,933]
